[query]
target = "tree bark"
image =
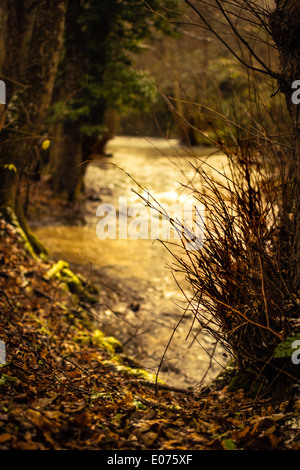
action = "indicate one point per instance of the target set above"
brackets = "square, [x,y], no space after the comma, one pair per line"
[31,60]
[66,158]
[285,28]
[66,151]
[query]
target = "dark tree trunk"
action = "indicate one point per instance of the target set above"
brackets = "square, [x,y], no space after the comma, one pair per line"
[66,158]
[31,59]
[285,27]
[66,151]
[85,59]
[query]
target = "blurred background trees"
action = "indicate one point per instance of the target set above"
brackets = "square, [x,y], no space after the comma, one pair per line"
[97,81]
[31,39]
[141,68]
[70,73]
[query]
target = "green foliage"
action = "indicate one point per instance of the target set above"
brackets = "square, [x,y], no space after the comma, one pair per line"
[287,347]
[229,444]
[109,35]
[125,89]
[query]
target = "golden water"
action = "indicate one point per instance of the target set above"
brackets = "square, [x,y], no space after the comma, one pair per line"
[139,268]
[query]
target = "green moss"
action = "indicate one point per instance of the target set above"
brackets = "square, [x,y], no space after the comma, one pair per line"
[98,336]
[83,338]
[112,346]
[118,363]
[75,283]
[108,343]
[32,244]
[11,217]
[55,271]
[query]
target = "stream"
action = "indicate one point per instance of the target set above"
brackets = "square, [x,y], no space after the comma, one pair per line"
[141,303]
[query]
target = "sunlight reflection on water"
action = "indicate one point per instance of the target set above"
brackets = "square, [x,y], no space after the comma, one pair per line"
[158,167]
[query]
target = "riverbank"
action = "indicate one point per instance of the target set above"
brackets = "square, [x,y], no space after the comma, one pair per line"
[64,385]
[145,302]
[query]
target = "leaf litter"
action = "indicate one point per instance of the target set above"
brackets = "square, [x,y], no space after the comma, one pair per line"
[59,392]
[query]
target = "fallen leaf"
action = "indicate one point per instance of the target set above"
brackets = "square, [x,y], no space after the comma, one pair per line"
[6,437]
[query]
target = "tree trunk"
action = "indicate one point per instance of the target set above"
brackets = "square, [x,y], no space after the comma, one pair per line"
[66,157]
[97,145]
[285,28]
[33,56]
[84,64]
[66,151]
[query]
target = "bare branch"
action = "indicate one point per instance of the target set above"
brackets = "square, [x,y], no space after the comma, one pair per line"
[265,70]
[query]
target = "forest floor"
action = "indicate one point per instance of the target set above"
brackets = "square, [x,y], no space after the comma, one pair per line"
[64,385]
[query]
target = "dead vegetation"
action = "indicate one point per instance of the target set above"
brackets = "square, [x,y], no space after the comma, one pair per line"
[60,388]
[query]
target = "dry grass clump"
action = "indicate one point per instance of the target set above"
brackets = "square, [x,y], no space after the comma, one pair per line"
[240,277]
